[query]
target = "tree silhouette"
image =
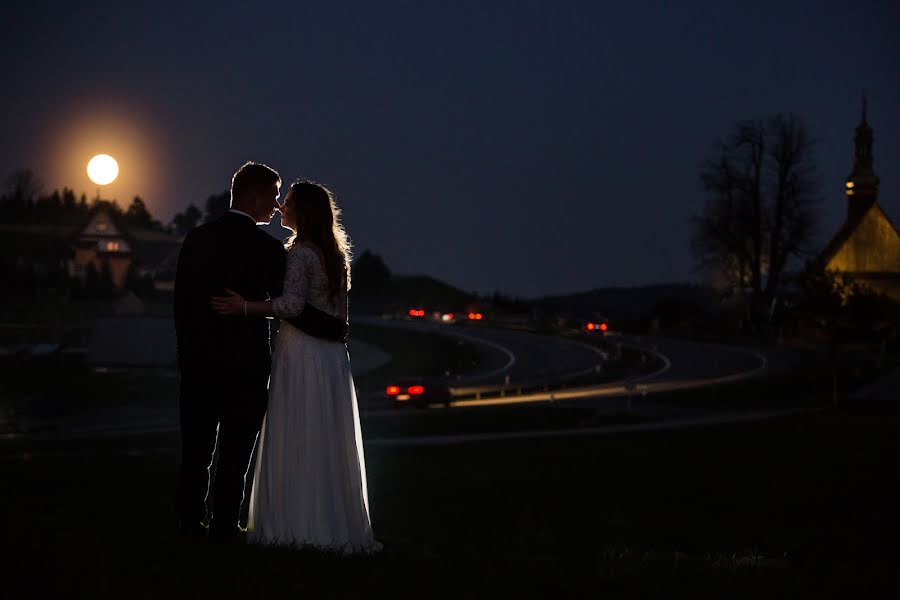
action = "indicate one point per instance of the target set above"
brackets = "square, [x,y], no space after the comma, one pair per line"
[217,205]
[23,186]
[137,215]
[762,188]
[187,220]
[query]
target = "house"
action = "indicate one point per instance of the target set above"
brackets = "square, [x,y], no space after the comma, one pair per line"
[102,244]
[105,243]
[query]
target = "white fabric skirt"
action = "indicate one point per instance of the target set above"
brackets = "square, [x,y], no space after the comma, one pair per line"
[310,482]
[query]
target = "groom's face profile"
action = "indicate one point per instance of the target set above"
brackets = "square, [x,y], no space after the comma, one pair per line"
[254,190]
[267,203]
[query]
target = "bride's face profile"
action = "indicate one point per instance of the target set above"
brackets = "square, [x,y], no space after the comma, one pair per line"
[288,215]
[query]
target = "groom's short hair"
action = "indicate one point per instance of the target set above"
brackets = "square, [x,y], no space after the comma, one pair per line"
[251,177]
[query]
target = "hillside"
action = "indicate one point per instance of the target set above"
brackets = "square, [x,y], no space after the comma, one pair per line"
[633,305]
[399,293]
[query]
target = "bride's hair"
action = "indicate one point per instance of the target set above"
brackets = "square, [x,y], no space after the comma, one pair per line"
[318,222]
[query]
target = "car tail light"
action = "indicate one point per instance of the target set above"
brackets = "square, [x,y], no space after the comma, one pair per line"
[603,327]
[415,390]
[590,326]
[393,390]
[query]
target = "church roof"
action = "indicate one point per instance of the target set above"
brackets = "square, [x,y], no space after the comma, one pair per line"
[846,232]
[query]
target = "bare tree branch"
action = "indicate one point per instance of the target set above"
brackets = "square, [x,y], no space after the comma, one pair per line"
[762,187]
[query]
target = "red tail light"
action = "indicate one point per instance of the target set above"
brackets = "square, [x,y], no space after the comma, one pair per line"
[393,390]
[590,326]
[603,327]
[415,390]
[477,316]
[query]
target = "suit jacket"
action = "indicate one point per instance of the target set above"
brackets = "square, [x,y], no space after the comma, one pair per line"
[232,252]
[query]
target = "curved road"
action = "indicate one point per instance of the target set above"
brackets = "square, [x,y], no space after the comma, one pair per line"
[520,355]
[528,357]
[523,356]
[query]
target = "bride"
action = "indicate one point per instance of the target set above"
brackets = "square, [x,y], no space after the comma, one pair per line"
[310,482]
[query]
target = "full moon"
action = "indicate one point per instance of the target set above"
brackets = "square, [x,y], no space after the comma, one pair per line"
[103,169]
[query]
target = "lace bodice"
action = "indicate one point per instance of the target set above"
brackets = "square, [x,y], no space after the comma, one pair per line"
[305,281]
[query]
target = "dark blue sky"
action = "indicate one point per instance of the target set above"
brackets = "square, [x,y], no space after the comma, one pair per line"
[527,147]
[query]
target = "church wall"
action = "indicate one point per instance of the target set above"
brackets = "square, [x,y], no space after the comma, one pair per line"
[873,246]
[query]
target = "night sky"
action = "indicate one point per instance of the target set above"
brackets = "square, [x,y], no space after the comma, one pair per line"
[526,147]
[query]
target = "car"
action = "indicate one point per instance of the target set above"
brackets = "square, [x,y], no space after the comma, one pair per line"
[418,391]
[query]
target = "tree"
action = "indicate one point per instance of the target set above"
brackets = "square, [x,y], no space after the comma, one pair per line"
[110,206]
[68,200]
[762,188]
[217,205]
[842,309]
[23,186]
[137,214]
[187,220]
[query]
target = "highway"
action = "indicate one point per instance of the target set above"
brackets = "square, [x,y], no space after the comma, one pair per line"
[522,356]
[528,357]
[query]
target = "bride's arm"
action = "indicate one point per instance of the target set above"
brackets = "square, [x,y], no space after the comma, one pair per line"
[296,286]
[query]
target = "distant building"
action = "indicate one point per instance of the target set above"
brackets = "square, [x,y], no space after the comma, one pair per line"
[106,243]
[101,243]
[867,246]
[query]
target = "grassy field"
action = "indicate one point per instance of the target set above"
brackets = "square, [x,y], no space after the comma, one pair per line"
[799,507]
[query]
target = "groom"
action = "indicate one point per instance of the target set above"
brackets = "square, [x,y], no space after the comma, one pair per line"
[225,361]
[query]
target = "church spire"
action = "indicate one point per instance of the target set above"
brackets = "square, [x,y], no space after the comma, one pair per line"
[862,183]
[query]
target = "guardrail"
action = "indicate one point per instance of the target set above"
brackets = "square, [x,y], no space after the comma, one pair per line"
[548,385]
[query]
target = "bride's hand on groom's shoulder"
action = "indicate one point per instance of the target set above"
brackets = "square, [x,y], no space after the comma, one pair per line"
[230,304]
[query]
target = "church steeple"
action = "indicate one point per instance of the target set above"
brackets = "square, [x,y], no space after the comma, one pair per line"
[862,183]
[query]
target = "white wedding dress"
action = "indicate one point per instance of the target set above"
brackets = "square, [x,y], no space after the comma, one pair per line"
[310,482]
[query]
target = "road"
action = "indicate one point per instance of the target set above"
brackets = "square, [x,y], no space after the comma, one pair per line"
[523,356]
[528,357]
[520,355]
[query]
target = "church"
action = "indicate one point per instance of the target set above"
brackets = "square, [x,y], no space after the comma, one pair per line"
[867,247]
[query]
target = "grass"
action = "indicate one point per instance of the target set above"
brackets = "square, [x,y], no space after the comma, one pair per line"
[408,422]
[63,387]
[798,507]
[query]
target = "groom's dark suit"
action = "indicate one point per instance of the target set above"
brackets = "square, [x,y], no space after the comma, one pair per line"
[225,361]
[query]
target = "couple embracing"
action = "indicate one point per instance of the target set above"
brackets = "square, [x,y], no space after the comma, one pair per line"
[297,405]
